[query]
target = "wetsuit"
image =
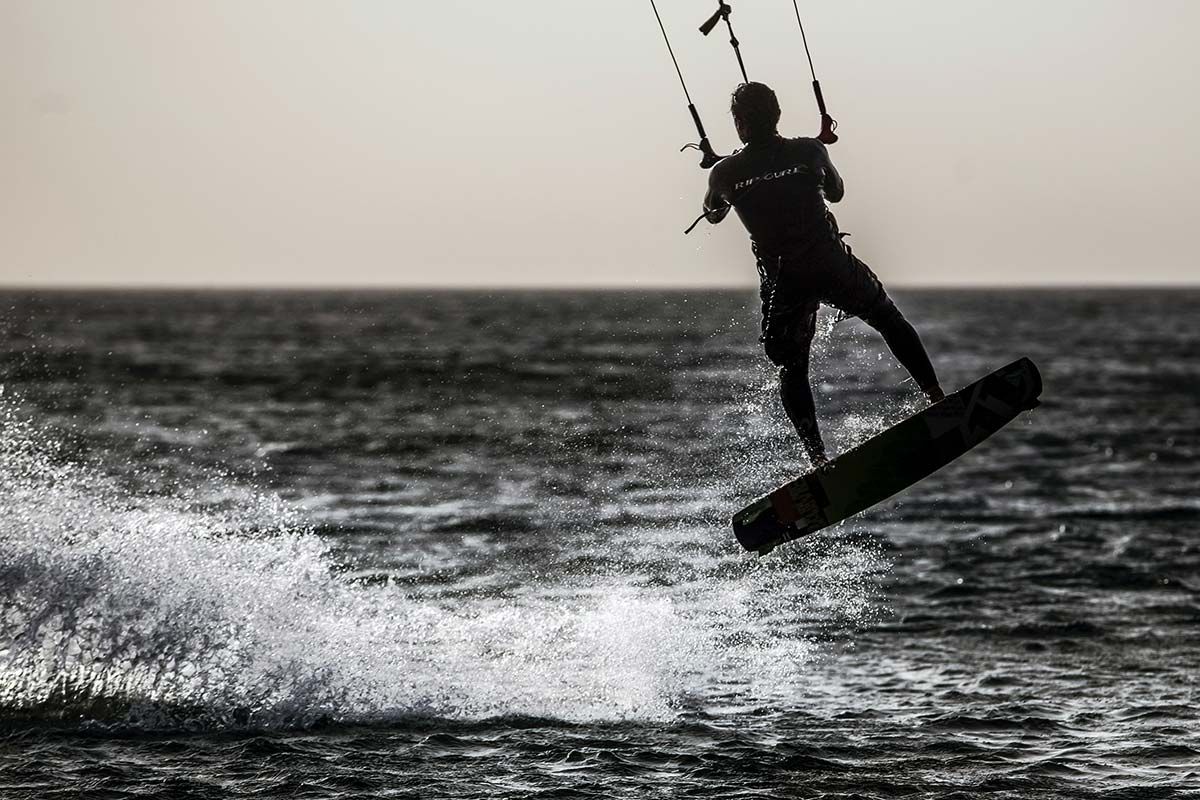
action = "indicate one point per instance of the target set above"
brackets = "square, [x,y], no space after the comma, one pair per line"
[778,187]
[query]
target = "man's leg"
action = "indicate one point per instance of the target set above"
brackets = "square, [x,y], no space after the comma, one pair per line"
[902,339]
[796,393]
[787,339]
[852,287]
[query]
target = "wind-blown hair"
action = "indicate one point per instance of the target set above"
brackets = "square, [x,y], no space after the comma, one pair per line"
[757,108]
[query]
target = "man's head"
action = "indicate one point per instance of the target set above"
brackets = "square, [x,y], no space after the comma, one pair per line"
[755,112]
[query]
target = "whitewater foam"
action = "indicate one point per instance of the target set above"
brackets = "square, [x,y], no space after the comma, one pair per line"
[167,611]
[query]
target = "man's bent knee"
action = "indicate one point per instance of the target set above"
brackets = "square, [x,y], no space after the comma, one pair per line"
[787,353]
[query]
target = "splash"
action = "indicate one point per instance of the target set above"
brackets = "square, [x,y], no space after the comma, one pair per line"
[168,610]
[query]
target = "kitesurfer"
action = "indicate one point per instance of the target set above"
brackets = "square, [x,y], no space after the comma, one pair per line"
[779,188]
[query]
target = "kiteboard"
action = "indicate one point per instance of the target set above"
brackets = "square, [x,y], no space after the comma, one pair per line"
[890,461]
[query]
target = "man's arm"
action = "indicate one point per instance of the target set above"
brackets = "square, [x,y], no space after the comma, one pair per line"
[716,206]
[831,182]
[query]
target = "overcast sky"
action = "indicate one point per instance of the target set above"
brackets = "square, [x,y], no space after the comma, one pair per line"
[394,142]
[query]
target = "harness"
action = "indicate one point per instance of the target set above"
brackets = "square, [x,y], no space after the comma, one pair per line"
[769,284]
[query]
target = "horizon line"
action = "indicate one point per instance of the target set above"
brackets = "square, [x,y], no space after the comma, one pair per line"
[615,287]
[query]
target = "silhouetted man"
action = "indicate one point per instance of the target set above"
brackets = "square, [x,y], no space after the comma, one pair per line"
[779,187]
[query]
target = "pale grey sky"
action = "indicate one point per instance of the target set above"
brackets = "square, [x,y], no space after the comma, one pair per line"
[364,142]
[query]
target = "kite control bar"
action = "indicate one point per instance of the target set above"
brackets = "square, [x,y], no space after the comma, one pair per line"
[710,156]
[828,123]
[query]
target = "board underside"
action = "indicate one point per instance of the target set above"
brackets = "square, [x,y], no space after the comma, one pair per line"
[891,461]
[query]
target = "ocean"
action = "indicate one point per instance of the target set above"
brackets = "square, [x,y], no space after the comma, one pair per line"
[477,545]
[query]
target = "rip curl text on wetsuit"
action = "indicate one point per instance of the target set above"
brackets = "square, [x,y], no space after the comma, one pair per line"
[778,189]
[799,169]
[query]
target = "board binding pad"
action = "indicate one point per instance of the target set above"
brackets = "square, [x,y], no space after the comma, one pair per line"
[890,461]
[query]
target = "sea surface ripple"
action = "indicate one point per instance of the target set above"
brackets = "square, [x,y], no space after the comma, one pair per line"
[476,545]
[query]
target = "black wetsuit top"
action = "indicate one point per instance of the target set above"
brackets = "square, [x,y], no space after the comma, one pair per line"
[778,188]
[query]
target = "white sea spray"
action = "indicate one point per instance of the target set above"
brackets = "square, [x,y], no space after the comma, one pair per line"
[169,609]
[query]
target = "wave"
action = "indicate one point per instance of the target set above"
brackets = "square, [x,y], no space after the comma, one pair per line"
[162,610]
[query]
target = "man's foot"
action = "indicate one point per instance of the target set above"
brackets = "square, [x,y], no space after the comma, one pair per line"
[820,462]
[935,394]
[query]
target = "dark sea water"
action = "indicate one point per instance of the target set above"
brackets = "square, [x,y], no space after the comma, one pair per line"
[473,545]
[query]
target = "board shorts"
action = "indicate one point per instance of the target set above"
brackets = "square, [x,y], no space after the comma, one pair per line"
[795,284]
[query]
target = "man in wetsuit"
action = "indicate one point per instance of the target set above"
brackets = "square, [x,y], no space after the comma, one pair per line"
[779,188]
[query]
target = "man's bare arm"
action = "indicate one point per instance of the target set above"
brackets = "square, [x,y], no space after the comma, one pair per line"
[831,183]
[716,207]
